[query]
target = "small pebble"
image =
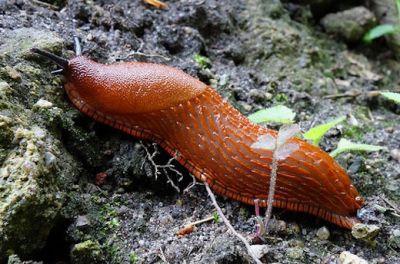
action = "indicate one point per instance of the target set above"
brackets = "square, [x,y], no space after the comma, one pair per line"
[394,239]
[348,258]
[293,229]
[257,95]
[165,219]
[41,103]
[295,253]
[395,154]
[49,158]
[246,106]
[323,233]
[82,221]
[259,250]
[365,232]
[268,96]
[39,133]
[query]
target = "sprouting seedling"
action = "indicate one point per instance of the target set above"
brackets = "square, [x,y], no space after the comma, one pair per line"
[281,150]
[384,29]
[316,133]
[392,96]
[277,114]
[345,145]
[202,61]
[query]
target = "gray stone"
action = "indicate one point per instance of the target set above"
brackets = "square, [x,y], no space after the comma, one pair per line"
[351,24]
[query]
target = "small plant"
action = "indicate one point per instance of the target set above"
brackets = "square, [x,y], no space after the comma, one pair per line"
[281,150]
[316,133]
[202,61]
[216,217]
[384,29]
[345,145]
[277,114]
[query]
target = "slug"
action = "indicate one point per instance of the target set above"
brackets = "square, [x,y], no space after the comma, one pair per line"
[209,137]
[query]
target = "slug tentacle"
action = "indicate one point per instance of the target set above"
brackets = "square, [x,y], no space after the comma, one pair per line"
[58,60]
[210,138]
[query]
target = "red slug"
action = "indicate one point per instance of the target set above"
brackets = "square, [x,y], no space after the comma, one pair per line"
[210,138]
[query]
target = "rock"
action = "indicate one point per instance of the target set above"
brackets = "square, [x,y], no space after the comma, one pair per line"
[30,196]
[293,229]
[49,159]
[14,259]
[82,221]
[257,95]
[21,40]
[259,250]
[295,253]
[395,154]
[386,12]
[41,103]
[364,232]
[277,226]
[350,24]
[348,258]
[394,239]
[323,233]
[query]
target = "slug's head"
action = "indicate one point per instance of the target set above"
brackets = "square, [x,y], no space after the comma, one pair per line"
[124,88]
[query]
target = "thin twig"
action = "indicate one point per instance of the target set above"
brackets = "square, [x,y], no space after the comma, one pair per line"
[342,95]
[191,185]
[165,168]
[138,52]
[353,93]
[228,224]
[392,204]
[38,2]
[210,218]
[162,256]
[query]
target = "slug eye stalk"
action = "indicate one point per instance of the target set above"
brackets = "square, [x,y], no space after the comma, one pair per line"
[58,60]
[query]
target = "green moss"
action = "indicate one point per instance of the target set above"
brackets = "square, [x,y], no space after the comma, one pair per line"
[353,132]
[133,257]
[21,40]
[30,184]
[10,73]
[281,98]
[27,210]
[87,252]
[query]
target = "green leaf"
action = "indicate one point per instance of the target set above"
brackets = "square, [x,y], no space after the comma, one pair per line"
[398,8]
[316,133]
[392,96]
[345,145]
[276,114]
[378,31]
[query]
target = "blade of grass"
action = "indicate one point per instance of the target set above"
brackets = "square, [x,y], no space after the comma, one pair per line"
[378,31]
[345,145]
[392,96]
[316,133]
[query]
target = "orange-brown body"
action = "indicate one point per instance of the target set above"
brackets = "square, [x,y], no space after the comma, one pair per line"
[193,123]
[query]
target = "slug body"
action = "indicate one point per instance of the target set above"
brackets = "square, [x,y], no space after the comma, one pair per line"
[210,138]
